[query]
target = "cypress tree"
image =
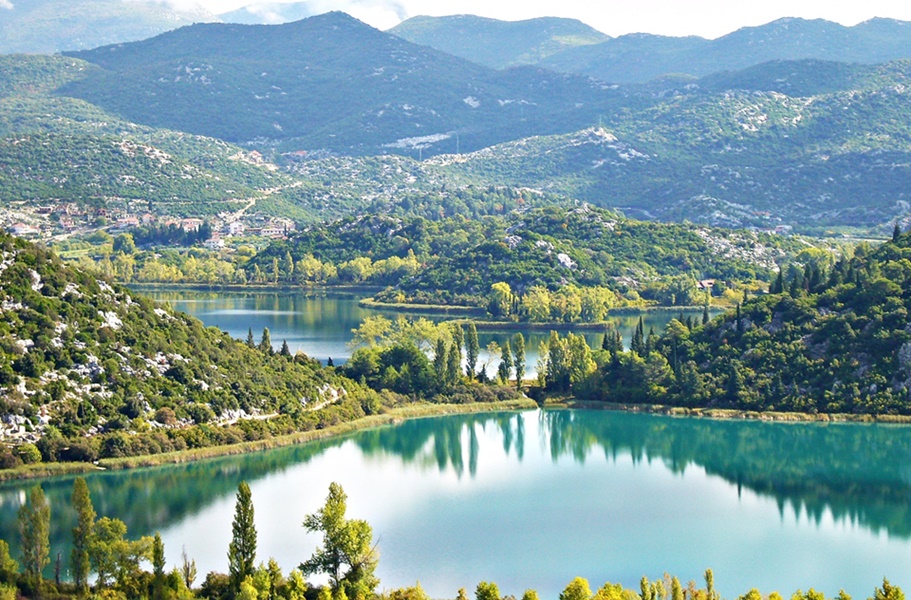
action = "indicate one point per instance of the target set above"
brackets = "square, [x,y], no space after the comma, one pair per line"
[242,549]
[250,341]
[518,350]
[82,533]
[896,233]
[637,343]
[265,343]
[705,314]
[285,351]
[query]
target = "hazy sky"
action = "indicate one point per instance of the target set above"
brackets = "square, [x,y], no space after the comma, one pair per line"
[708,18]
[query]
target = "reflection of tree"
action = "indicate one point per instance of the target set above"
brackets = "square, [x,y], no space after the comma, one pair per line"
[148,500]
[859,472]
[440,441]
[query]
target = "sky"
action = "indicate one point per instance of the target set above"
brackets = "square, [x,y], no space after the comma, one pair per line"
[706,18]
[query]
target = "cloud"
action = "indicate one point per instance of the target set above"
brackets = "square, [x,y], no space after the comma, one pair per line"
[6,4]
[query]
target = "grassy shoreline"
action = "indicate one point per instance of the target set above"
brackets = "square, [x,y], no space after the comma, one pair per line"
[729,413]
[424,410]
[397,415]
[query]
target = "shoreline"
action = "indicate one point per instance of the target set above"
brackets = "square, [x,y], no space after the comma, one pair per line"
[729,414]
[396,415]
[425,410]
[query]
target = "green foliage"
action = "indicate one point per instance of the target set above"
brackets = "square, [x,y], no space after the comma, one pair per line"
[835,341]
[242,549]
[577,589]
[82,533]
[34,530]
[9,568]
[487,590]
[93,349]
[346,555]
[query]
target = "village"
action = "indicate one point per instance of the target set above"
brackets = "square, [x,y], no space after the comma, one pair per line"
[61,220]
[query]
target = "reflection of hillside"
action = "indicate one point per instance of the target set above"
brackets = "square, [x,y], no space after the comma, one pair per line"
[440,440]
[148,500]
[861,473]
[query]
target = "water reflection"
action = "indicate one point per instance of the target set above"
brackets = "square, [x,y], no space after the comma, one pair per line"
[853,474]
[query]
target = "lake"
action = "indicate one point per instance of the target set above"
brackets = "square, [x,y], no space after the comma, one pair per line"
[533,499]
[320,324]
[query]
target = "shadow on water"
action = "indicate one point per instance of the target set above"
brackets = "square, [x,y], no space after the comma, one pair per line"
[858,472]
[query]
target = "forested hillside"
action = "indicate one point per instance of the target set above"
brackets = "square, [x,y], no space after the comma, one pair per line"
[80,357]
[457,261]
[825,340]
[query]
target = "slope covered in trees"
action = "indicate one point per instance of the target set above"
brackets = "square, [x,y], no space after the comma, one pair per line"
[80,357]
[457,261]
[827,340]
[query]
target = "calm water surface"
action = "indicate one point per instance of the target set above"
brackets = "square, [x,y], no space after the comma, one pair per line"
[532,500]
[320,324]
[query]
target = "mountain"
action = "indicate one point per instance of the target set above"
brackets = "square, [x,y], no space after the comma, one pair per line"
[49,26]
[62,149]
[498,44]
[328,82]
[84,362]
[642,57]
[709,152]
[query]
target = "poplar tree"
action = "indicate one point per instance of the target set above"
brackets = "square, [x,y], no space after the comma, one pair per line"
[453,365]
[34,531]
[472,350]
[242,549]
[158,564]
[518,362]
[505,367]
[439,360]
[82,532]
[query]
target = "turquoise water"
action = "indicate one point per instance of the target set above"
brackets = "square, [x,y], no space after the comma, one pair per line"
[531,500]
[320,324]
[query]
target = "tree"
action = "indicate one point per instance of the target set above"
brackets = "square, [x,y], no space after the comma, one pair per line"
[578,589]
[285,351]
[505,367]
[518,344]
[472,350]
[250,342]
[187,569]
[896,233]
[34,531]
[265,343]
[158,564]
[439,360]
[453,365]
[9,568]
[637,344]
[888,592]
[82,532]
[346,555]
[487,590]
[111,554]
[242,549]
